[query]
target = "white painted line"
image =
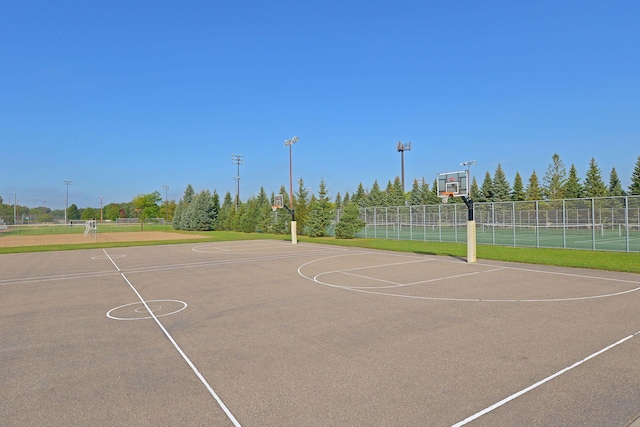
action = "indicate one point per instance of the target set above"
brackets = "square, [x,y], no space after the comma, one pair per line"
[539,383]
[177,347]
[495,268]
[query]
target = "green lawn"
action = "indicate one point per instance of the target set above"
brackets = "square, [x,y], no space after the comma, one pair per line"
[600,260]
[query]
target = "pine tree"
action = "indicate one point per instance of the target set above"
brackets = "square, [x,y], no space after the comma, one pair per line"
[263,214]
[350,222]
[500,186]
[360,197]
[301,204]
[337,202]
[517,192]
[474,191]
[202,212]
[320,213]
[615,186]
[215,199]
[593,183]
[281,217]
[375,198]
[555,178]
[180,220]
[415,198]
[533,191]
[486,191]
[395,193]
[428,195]
[227,213]
[434,196]
[634,188]
[346,200]
[573,188]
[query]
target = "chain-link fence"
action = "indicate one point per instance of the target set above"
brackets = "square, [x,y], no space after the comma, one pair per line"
[608,223]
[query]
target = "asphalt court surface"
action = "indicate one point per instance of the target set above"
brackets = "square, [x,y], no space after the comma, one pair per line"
[267,333]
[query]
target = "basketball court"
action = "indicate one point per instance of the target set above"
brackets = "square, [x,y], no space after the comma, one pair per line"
[259,333]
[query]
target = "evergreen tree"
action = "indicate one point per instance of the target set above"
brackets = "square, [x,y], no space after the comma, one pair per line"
[428,196]
[350,222]
[375,197]
[486,191]
[215,199]
[416,197]
[281,217]
[249,218]
[615,186]
[501,187]
[338,201]
[435,196]
[263,211]
[517,192]
[474,191]
[593,183]
[573,188]
[179,221]
[202,212]
[555,178]
[533,191]
[301,203]
[361,197]
[346,200]
[394,194]
[320,213]
[227,213]
[634,188]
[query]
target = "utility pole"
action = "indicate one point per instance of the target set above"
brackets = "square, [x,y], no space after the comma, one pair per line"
[101,197]
[401,149]
[166,202]
[237,159]
[66,182]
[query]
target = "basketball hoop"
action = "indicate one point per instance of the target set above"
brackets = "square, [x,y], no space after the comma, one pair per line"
[445,195]
[278,202]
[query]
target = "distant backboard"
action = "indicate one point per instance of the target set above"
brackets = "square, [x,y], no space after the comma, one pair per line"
[451,184]
[278,202]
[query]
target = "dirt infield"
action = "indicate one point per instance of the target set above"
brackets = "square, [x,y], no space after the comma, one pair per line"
[69,239]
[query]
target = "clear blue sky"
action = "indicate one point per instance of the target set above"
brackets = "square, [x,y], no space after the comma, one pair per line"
[122,97]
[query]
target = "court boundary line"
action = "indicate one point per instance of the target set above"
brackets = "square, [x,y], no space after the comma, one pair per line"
[177,347]
[541,382]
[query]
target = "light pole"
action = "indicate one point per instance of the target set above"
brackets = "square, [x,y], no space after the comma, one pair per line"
[402,148]
[471,223]
[166,202]
[66,182]
[237,159]
[101,197]
[289,143]
[294,235]
[468,164]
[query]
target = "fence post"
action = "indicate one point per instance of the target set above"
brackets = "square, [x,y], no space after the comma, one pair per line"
[593,223]
[626,220]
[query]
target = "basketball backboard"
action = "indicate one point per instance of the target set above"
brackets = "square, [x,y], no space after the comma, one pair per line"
[451,184]
[278,202]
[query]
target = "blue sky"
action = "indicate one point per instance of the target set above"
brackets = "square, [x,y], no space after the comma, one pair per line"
[122,97]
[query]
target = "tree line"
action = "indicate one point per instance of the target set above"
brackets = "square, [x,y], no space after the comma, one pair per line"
[315,213]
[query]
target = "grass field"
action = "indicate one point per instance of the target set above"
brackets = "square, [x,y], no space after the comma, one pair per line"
[600,260]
